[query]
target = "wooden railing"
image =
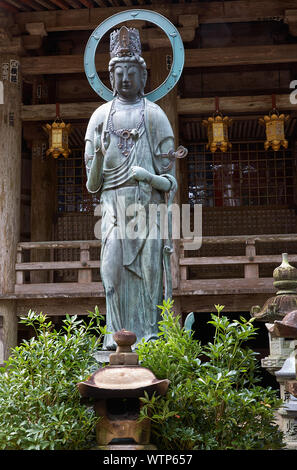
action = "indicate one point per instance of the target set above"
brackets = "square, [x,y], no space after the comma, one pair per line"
[251,261]
[83,266]
[250,282]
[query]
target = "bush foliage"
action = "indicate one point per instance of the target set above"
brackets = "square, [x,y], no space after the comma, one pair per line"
[214,400]
[39,401]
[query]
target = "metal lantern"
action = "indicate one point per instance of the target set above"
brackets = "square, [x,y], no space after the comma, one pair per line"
[58,133]
[275,128]
[217,130]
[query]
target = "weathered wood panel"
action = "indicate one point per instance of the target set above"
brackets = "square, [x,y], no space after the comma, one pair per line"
[59,244]
[232,303]
[208,57]
[60,306]
[59,64]
[234,104]
[67,289]
[257,259]
[56,265]
[227,286]
[212,12]
[44,112]
[230,104]
[10,188]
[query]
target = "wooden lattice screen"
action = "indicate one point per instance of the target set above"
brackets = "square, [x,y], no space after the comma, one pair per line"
[246,191]
[75,207]
[246,175]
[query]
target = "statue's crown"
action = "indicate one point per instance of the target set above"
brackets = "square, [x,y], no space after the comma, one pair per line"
[125,42]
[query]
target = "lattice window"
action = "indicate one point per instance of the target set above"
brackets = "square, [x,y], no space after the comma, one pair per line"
[247,175]
[72,194]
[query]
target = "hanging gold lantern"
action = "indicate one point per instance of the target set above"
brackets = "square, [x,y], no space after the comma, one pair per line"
[275,128]
[217,131]
[58,133]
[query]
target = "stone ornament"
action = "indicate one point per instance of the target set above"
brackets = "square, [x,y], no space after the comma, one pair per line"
[115,391]
[285,300]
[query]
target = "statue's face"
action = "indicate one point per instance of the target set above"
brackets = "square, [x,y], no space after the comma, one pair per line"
[127,79]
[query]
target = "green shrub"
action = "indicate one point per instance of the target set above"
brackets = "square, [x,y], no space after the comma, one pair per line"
[39,401]
[214,400]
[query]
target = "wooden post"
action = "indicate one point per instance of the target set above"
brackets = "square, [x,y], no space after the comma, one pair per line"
[160,66]
[84,275]
[1,342]
[43,195]
[19,274]
[10,187]
[183,269]
[251,270]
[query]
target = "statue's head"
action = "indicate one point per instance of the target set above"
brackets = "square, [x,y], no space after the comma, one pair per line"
[127,68]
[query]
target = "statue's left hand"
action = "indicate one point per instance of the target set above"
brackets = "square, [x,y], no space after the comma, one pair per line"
[140,174]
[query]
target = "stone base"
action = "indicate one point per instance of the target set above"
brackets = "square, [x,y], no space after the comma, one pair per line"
[126,447]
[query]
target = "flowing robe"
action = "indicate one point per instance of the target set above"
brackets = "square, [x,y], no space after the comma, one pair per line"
[131,268]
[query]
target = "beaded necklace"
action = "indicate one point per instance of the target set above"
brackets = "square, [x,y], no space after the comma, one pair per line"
[125,137]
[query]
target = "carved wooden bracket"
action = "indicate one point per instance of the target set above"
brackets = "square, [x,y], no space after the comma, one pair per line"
[36,31]
[187,25]
[291,19]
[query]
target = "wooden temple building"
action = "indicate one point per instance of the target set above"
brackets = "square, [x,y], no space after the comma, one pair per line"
[240,55]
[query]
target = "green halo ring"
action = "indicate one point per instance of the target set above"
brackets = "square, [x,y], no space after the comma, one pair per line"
[145,15]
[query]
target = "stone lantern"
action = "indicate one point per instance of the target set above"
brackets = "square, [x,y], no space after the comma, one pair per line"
[286,377]
[280,313]
[115,391]
[275,309]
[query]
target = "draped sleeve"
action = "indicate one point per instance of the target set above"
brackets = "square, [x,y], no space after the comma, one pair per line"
[160,136]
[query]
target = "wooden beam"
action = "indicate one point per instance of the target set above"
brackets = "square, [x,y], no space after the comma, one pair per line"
[60,4]
[8,7]
[57,306]
[227,239]
[194,287]
[241,55]
[227,260]
[40,65]
[44,112]
[208,13]
[234,104]
[194,58]
[227,286]
[206,303]
[65,288]
[56,265]
[186,106]
[62,244]
[291,20]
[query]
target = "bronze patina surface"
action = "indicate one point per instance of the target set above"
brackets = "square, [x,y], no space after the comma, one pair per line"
[127,141]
